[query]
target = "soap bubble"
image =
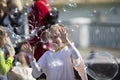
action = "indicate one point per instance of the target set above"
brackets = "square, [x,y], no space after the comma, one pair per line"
[101,65]
[71,4]
[44,37]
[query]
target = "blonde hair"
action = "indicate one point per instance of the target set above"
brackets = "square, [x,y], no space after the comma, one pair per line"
[17,3]
[56,26]
[3,36]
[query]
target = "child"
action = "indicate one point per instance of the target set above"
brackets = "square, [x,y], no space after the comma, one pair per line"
[21,70]
[3,6]
[5,59]
[58,64]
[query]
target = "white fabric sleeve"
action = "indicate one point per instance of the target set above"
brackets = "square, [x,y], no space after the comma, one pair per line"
[9,46]
[76,57]
[42,62]
[76,62]
[36,70]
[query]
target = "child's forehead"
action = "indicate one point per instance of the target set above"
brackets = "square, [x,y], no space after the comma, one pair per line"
[54,28]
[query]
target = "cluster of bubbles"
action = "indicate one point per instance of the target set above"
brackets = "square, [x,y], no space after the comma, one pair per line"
[101,65]
[69,4]
[45,37]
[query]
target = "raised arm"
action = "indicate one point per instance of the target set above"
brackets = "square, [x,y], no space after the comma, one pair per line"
[78,62]
[5,65]
[36,69]
[76,57]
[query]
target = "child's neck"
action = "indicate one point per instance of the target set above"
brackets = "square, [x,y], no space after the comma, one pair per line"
[61,47]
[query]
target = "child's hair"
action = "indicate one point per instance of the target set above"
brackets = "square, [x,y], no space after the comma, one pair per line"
[3,35]
[56,26]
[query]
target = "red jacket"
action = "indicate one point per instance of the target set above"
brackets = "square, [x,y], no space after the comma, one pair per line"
[38,18]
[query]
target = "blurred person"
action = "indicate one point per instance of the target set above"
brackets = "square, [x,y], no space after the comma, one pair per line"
[21,70]
[16,21]
[58,62]
[16,17]
[3,6]
[40,16]
[6,56]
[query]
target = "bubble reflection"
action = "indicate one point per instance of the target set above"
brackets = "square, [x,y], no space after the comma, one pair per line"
[101,65]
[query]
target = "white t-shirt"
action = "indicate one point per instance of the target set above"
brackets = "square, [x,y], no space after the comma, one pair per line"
[25,72]
[58,65]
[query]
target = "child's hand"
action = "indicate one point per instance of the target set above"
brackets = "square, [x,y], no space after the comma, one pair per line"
[64,34]
[26,47]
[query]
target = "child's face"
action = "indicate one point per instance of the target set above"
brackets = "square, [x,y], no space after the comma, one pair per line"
[55,36]
[21,57]
[3,37]
[2,41]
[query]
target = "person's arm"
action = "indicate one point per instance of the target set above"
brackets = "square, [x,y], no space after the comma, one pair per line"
[8,44]
[36,69]
[5,65]
[9,47]
[78,62]
[81,71]
[76,57]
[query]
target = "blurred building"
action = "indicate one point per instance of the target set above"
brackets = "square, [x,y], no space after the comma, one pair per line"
[94,23]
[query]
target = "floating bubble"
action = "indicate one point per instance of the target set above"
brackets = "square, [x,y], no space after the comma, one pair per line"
[69,30]
[95,13]
[16,38]
[53,12]
[112,10]
[13,37]
[53,46]
[44,37]
[65,10]
[25,13]
[44,46]
[101,65]
[59,21]
[77,25]
[70,5]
